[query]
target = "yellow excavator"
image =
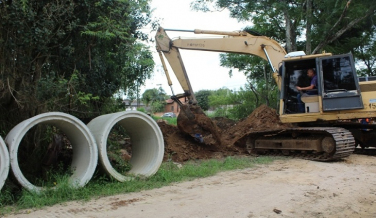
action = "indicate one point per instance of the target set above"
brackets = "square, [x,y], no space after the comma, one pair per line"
[328,128]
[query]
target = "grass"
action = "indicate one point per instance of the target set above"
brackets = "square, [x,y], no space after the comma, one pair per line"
[101,185]
[171,121]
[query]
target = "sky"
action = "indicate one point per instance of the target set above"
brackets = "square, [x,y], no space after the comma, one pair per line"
[203,68]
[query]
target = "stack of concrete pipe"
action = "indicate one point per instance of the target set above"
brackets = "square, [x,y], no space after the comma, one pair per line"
[89,142]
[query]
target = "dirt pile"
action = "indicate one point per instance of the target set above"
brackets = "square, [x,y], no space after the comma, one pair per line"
[181,147]
[193,121]
[262,118]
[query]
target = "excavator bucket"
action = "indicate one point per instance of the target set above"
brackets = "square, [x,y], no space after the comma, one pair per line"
[194,122]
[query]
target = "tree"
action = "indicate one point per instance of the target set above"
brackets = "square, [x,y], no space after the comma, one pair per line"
[202,97]
[243,103]
[310,25]
[366,53]
[156,98]
[54,53]
[219,100]
[258,75]
[157,106]
[219,97]
[346,16]
[149,96]
[287,20]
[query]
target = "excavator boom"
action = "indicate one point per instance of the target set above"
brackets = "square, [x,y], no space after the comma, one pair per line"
[239,42]
[193,120]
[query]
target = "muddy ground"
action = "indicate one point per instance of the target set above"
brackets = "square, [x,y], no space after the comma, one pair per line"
[181,147]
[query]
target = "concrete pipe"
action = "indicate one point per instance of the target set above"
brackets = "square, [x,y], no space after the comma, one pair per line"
[146,140]
[4,162]
[85,153]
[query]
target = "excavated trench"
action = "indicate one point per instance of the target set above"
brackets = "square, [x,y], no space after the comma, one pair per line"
[180,146]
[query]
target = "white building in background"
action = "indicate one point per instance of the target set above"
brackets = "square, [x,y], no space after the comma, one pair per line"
[132,105]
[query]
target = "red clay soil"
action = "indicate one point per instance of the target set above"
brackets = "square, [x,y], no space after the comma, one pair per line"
[180,147]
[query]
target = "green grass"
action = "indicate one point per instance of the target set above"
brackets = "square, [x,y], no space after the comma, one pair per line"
[171,121]
[101,185]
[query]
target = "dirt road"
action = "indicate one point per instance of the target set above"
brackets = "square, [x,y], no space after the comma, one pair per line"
[285,188]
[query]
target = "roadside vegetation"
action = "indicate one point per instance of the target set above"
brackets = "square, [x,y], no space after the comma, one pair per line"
[101,185]
[169,120]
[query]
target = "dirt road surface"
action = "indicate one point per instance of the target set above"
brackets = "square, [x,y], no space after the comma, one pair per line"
[285,188]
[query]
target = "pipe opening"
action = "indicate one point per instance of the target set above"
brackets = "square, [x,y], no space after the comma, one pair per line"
[146,142]
[83,148]
[119,149]
[45,155]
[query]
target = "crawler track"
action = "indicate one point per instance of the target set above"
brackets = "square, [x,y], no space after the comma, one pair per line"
[365,151]
[344,142]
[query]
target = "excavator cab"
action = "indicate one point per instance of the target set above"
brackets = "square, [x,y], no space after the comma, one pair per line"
[338,86]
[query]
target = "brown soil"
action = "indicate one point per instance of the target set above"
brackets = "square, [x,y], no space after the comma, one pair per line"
[181,147]
[193,121]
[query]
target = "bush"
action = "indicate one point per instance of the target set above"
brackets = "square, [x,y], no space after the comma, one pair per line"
[142,109]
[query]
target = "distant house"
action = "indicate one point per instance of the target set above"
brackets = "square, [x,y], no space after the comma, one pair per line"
[172,106]
[132,105]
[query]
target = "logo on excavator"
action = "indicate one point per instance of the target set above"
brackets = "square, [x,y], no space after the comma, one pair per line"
[372,105]
[196,45]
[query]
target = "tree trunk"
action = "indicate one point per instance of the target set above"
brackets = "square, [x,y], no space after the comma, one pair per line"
[288,32]
[255,93]
[308,27]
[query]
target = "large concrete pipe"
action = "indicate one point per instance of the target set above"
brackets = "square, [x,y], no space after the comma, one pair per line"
[4,162]
[85,153]
[146,141]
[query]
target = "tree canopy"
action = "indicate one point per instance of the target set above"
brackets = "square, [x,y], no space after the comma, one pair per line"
[155,98]
[336,26]
[202,97]
[317,24]
[70,56]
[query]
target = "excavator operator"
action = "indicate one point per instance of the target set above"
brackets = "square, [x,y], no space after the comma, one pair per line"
[311,89]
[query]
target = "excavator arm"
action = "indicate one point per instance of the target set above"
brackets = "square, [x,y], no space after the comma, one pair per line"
[193,120]
[239,42]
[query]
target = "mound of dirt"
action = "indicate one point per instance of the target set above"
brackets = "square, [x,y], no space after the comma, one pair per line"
[193,121]
[223,122]
[181,147]
[262,118]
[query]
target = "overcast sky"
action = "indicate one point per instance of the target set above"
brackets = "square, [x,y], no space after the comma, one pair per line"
[202,67]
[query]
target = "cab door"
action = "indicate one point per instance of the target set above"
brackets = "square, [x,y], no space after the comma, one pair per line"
[340,86]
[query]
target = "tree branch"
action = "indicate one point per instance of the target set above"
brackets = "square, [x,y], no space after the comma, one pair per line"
[11,92]
[341,17]
[330,39]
